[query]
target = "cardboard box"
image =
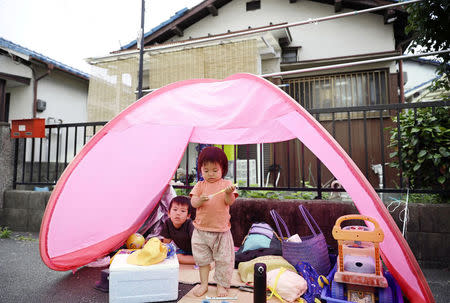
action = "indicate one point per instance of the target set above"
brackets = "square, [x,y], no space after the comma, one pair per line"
[133,283]
[28,128]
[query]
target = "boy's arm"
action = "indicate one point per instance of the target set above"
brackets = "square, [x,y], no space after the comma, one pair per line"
[165,240]
[165,231]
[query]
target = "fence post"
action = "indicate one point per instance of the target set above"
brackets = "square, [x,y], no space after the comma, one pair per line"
[6,160]
[319,179]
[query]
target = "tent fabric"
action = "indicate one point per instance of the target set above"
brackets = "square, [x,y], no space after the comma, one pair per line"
[112,185]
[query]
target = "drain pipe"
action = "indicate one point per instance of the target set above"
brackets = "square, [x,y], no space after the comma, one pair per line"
[35,84]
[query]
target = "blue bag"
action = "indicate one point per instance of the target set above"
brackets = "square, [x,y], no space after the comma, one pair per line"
[315,281]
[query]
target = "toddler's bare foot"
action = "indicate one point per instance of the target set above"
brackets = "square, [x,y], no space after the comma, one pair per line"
[200,290]
[221,291]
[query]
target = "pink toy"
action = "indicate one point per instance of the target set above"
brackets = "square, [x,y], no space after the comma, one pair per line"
[112,185]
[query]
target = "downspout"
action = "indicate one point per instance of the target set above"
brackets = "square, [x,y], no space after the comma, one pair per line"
[401,84]
[400,69]
[35,84]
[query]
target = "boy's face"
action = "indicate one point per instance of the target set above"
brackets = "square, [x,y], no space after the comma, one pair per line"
[178,214]
[211,172]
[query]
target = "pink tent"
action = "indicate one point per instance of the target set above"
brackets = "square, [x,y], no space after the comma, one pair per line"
[116,180]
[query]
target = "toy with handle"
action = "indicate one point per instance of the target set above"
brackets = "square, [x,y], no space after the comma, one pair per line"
[375,235]
[220,191]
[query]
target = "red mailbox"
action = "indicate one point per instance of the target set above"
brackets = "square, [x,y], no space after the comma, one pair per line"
[28,128]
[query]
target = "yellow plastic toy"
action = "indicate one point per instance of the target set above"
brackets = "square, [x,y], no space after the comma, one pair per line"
[135,241]
[359,275]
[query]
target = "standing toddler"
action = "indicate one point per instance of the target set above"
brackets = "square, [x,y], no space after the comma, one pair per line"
[212,239]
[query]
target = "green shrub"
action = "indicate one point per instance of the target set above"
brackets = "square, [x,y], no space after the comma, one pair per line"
[425,147]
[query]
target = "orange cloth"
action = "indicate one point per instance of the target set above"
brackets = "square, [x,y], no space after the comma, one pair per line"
[214,214]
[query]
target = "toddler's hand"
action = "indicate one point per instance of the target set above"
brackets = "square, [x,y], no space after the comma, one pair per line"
[204,198]
[230,189]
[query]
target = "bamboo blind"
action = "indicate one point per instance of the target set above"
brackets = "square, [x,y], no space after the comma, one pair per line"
[217,61]
[113,84]
[112,88]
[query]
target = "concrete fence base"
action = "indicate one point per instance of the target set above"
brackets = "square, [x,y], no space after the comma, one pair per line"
[428,228]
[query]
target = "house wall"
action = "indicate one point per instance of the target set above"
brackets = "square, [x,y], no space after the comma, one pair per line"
[66,98]
[8,66]
[20,102]
[295,174]
[418,73]
[333,38]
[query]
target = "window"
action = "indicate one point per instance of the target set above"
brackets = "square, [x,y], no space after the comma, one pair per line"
[340,90]
[253,5]
[289,55]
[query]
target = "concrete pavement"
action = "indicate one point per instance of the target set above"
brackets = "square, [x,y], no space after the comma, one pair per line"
[25,278]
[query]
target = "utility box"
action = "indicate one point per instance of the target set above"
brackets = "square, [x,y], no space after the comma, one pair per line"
[28,128]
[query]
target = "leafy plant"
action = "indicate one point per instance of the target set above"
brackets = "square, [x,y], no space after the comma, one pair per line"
[428,24]
[425,198]
[424,142]
[5,233]
[182,191]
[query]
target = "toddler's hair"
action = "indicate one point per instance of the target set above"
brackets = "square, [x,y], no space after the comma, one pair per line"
[181,200]
[212,154]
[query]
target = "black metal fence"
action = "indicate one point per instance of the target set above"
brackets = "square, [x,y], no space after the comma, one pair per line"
[363,132]
[41,161]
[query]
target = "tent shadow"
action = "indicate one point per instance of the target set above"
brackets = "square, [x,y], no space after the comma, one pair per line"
[77,287]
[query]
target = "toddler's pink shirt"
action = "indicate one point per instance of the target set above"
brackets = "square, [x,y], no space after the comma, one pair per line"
[214,214]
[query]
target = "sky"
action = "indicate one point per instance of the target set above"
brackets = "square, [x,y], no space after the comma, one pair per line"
[70,31]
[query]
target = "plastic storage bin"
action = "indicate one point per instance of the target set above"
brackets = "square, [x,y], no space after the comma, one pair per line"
[133,283]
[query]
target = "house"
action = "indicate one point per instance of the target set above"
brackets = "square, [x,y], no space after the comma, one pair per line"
[196,43]
[35,86]
[420,74]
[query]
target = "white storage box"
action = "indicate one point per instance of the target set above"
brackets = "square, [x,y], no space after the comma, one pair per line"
[133,283]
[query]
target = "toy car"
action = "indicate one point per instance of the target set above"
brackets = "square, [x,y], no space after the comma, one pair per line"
[359,272]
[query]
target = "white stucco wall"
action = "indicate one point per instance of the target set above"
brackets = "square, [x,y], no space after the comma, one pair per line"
[66,98]
[8,66]
[20,102]
[418,73]
[349,36]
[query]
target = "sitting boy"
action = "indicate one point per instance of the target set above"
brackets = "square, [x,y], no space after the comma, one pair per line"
[178,228]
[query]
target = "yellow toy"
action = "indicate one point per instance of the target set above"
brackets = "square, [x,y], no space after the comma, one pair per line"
[135,241]
[359,275]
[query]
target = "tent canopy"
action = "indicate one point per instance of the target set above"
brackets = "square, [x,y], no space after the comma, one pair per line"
[116,180]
